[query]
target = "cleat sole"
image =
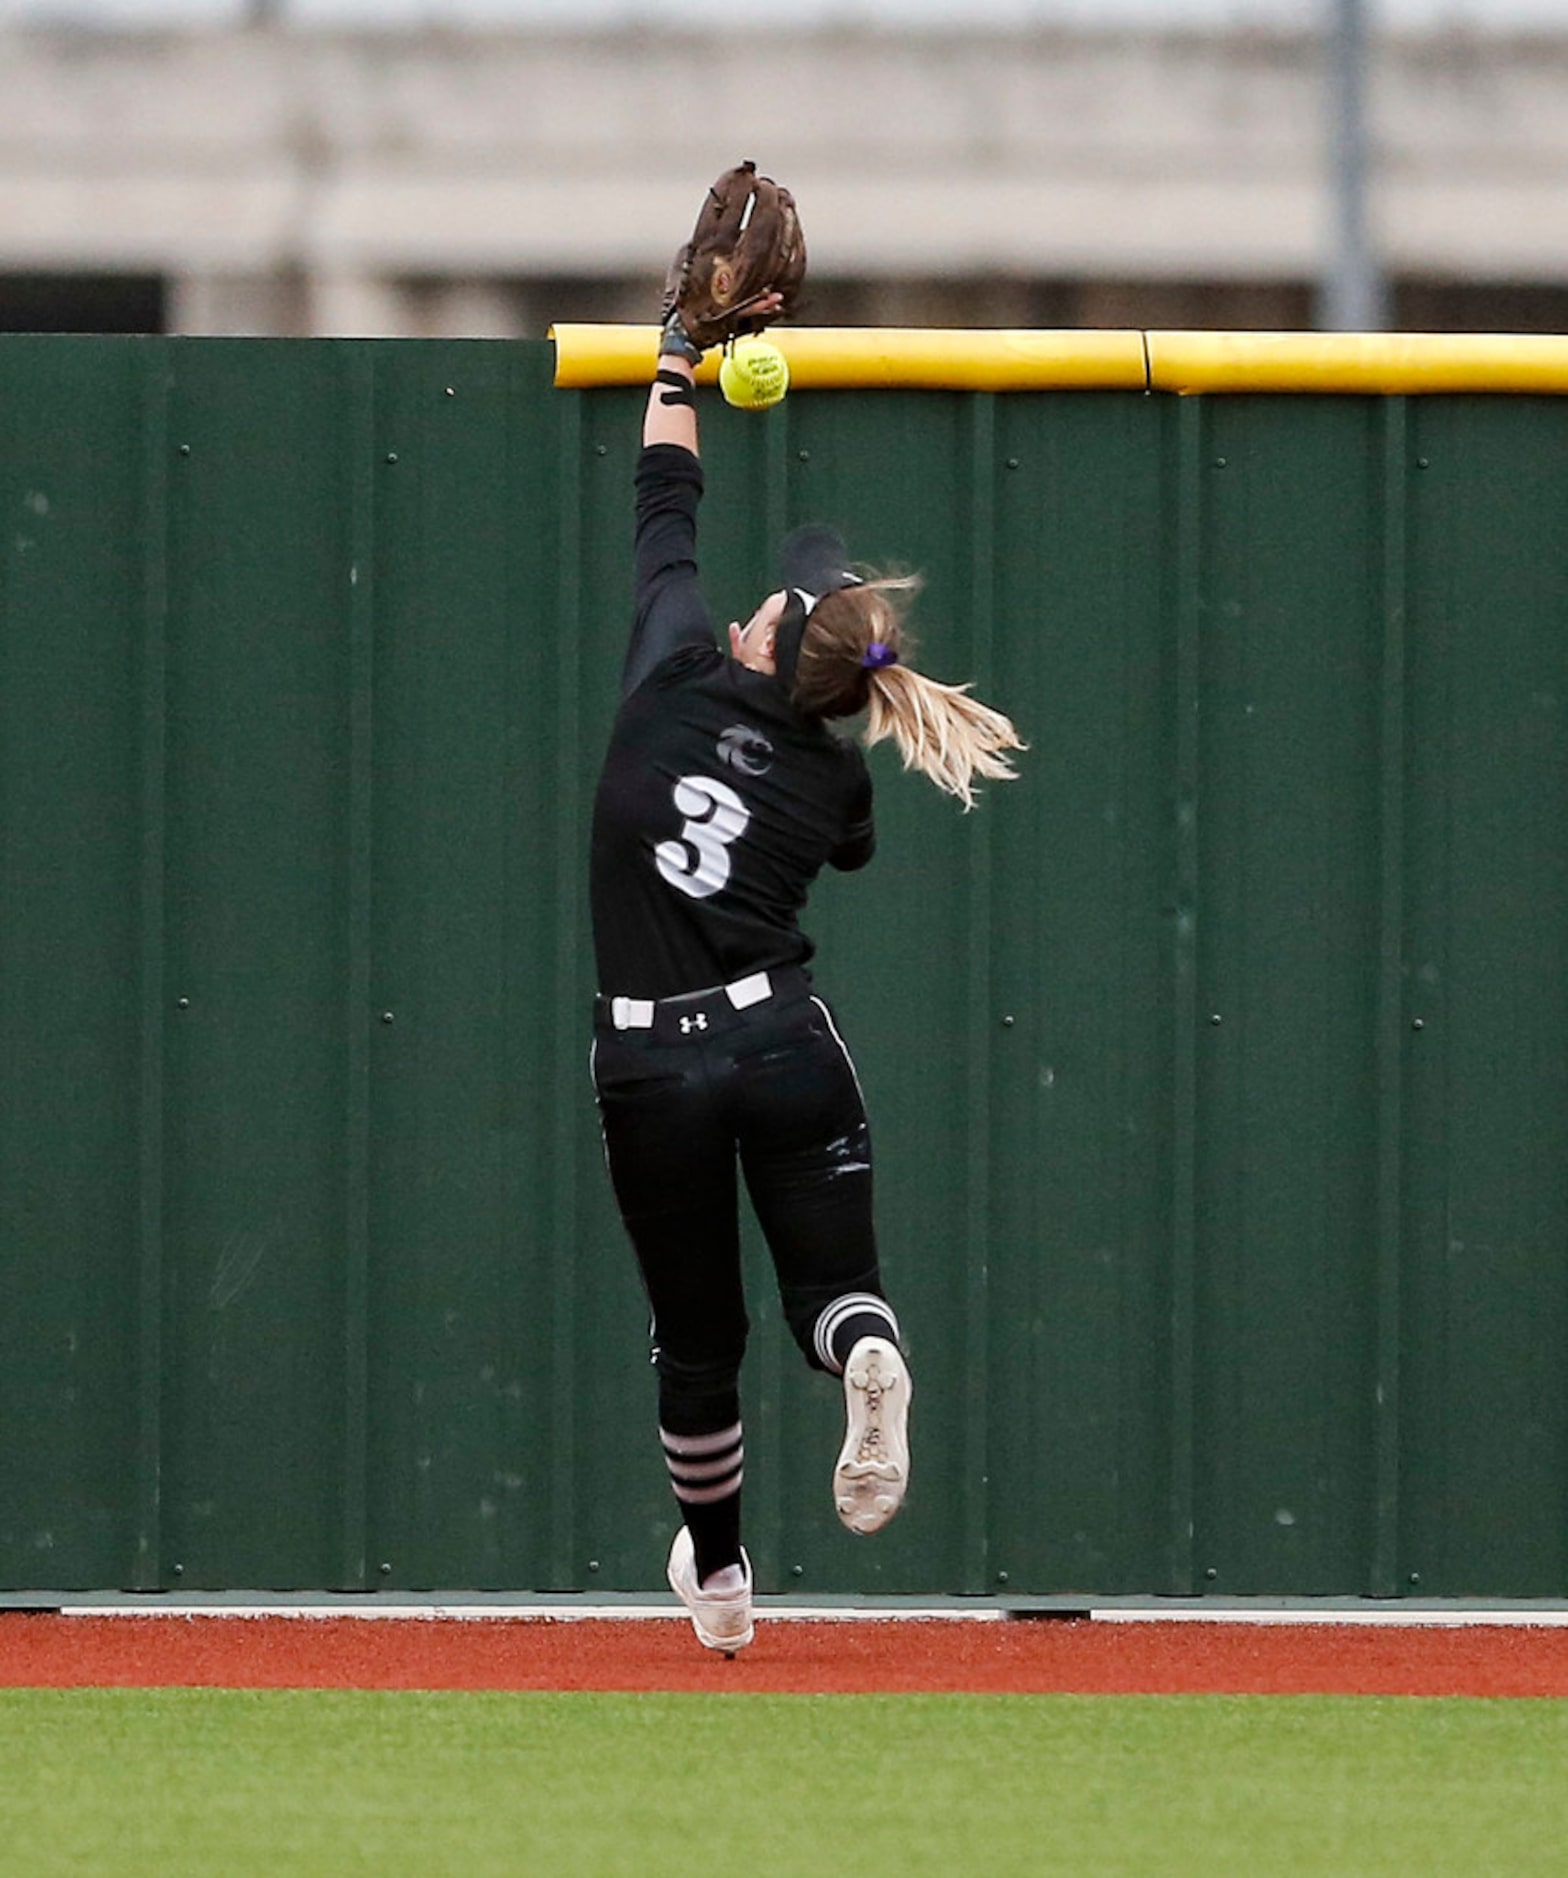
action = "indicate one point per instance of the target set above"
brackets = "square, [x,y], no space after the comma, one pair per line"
[872,1471]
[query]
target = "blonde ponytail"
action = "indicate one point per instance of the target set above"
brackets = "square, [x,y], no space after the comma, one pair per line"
[852,659]
[940,731]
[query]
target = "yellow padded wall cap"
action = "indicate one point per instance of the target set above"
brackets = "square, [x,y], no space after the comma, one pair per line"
[1369,363]
[879,358]
[886,358]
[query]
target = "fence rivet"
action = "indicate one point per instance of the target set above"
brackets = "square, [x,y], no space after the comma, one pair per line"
[1212,1573]
[179,1571]
[797,1571]
[1012,462]
[1423,462]
[388,1017]
[1007,1023]
[593,1564]
[1215,1018]
[1418,1023]
[1001,1578]
[183,1004]
[1415,1578]
[1219,462]
[803,456]
[391,456]
[386,1568]
[601,449]
[451,391]
[185,449]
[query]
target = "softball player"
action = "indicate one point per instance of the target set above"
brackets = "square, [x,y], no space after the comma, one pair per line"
[722,795]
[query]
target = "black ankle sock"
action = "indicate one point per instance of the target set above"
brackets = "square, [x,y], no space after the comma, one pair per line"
[848,1331]
[706,1468]
[715,1534]
[841,1325]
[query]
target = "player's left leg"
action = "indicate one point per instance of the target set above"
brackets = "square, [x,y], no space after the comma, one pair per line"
[672,1162]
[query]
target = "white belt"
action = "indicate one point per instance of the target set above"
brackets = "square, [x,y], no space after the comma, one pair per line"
[638,1013]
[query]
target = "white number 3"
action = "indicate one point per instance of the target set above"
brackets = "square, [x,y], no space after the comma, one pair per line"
[699,863]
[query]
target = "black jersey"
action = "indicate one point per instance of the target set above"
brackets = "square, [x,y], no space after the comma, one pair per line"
[718,802]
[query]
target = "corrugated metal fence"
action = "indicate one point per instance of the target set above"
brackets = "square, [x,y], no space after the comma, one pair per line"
[1219,1067]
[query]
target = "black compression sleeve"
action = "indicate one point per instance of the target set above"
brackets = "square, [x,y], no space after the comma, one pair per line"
[669,610]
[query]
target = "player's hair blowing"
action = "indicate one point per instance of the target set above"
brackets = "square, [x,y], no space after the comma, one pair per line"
[939,729]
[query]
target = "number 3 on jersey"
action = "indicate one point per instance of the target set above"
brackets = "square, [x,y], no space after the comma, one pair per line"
[699,863]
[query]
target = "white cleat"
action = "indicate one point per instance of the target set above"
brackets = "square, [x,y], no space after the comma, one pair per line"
[872,1474]
[721,1618]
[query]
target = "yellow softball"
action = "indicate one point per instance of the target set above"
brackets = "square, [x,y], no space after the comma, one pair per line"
[754,375]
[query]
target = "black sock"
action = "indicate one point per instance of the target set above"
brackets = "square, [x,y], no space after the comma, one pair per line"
[715,1534]
[706,1471]
[846,1320]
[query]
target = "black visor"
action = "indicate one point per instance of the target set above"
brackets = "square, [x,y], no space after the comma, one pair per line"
[814,562]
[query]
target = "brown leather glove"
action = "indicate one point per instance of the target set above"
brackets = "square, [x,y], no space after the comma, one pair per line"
[747,245]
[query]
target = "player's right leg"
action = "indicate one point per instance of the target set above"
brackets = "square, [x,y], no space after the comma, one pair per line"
[806,1152]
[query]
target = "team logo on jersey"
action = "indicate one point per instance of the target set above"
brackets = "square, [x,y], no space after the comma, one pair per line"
[746,750]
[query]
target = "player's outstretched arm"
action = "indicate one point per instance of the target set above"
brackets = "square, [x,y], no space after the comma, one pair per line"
[671,415]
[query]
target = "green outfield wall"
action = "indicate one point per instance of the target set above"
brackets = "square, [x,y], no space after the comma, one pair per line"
[1218,1067]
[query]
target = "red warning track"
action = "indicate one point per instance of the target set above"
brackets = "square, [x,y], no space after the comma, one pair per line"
[1055,1656]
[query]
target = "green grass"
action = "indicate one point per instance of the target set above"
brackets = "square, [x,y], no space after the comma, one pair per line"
[234,1782]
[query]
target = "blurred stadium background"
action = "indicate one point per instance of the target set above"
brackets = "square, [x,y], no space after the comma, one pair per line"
[481,167]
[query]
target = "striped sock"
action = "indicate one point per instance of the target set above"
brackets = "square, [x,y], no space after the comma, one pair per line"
[845,1321]
[706,1472]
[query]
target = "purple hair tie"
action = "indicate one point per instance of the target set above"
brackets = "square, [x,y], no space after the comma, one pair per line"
[878,655]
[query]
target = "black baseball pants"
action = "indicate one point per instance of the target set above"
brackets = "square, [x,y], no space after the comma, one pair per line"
[705,1087]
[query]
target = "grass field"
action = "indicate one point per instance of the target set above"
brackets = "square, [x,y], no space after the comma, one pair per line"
[176,1781]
